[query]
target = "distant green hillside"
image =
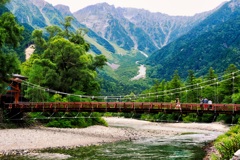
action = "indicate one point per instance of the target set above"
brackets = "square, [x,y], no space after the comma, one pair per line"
[118,82]
[213,43]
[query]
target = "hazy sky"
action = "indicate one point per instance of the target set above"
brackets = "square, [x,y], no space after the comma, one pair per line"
[171,7]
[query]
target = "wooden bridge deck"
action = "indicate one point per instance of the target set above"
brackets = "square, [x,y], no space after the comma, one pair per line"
[126,107]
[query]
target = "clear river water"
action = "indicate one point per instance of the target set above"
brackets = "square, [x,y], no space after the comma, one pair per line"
[182,147]
[146,149]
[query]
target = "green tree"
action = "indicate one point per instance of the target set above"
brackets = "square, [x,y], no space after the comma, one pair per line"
[211,85]
[67,24]
[10,30]
[175,85]
[52,31]
[156,89]
[191,92]
[39,41]
[211,76]
[163,87]
[229,84]
[64,64]
[10,35]
[167,95]
[60,63]
[77,38]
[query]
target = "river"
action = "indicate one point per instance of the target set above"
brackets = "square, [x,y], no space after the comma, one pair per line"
[173,141]
[144,149]
[175,148]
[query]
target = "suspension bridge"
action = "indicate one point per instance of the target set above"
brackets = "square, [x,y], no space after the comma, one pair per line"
[17,104]
[125,107]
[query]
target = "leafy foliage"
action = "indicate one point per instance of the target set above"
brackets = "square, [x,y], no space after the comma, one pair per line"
[228,143]
[82,120]
[27,40]
[23,43]
[10,30]
[10,36]
[64,64]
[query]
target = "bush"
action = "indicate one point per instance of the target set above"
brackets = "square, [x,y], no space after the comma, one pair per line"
[108,114]
[69,120]
[228,143]
[190,118]
[59,123]
[214,157]
[160,117]
[225,118]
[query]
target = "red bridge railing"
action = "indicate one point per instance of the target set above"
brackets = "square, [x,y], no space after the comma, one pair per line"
[127,107]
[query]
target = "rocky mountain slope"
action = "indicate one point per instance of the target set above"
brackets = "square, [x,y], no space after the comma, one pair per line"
[212,43]
[136,28]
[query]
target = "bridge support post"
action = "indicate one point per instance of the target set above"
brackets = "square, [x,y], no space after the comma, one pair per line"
[1,115]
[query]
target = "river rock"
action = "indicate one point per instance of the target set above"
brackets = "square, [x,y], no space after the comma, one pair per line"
[49,156]
[236,155]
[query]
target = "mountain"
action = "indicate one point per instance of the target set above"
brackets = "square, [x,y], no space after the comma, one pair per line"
[136,29]
[212,43]
[40,14]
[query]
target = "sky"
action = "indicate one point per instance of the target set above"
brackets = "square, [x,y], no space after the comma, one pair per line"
[170,7]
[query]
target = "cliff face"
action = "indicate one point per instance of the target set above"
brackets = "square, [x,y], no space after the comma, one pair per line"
[136,28]
[65,10]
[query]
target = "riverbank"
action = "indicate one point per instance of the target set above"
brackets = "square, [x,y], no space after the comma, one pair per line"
[32,139]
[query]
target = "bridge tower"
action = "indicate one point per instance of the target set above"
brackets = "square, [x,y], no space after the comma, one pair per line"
[14,87]
[13,92]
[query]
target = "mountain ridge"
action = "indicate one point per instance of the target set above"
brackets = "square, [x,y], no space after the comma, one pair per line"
[134,26]
[207,45]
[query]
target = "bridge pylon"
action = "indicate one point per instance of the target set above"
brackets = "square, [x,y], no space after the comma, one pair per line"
[13,93]
[13,90]
[1,115]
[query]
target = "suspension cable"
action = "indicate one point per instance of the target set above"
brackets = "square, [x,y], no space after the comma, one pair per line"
[150,95]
